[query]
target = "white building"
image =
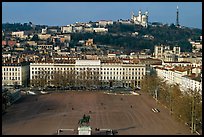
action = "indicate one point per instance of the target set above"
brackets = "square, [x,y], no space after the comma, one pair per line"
[118,74]
[19,34]
[88,30]
[141,19]
[100,30]
[103,23]
[14,73]
[44,36]
[183,76]
[67,29]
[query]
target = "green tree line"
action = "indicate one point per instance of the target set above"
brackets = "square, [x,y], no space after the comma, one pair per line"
[184,106]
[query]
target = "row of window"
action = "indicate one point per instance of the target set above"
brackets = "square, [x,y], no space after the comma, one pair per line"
[111,73]
[88,69]
[11,74]
[105,78]
[11,69]
[11,78]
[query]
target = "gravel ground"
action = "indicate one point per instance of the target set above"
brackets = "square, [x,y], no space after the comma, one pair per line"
[127,114]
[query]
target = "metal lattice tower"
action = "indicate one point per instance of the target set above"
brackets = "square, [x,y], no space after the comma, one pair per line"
[177,17]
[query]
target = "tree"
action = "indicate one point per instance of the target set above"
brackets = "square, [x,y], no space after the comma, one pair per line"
[35,38]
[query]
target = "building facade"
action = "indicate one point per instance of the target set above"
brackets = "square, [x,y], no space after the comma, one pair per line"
[188,78]
[15,74]
[165,53]
[110,74]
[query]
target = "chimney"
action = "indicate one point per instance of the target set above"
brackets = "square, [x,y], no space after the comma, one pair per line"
[196,74]
[11,60]
[18,60]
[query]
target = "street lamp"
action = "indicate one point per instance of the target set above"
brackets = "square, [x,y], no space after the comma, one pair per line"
[156,94]
[170,97]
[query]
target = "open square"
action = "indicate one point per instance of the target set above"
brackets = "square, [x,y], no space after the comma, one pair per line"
[127,114]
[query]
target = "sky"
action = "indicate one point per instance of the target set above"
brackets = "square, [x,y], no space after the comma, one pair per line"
[64,13]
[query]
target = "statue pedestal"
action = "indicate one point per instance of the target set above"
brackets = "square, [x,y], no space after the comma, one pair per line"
[84,130]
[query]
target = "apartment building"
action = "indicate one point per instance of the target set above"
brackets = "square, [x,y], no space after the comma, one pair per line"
[103,23]
[14,73]
[187,77]
[67,29]
[108,73]
[100,29]
[19,34]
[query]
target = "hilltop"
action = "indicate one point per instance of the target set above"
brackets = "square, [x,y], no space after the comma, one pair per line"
[126,37]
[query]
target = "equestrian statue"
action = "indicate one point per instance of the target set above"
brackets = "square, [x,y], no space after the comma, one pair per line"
[85,119]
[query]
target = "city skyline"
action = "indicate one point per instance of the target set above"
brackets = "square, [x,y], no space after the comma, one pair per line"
[42,13]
